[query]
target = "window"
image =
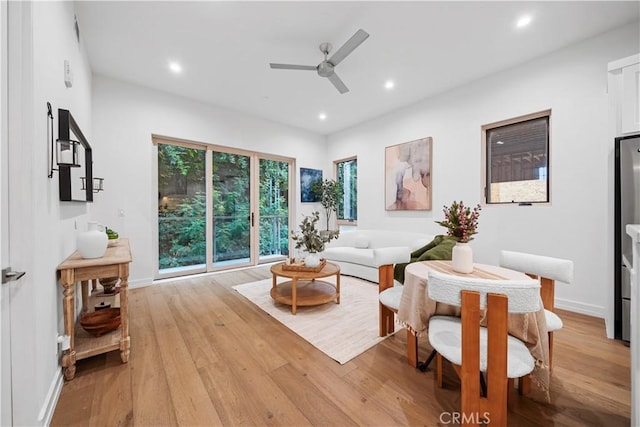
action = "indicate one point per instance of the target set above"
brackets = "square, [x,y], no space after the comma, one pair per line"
[517,159]
[347,175]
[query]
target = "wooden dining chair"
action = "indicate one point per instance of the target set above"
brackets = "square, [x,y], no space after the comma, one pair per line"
[473,349]
[390,294]
[547,270]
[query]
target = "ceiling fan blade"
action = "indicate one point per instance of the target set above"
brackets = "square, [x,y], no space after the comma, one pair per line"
[342,88]
[293,67]
[355,41]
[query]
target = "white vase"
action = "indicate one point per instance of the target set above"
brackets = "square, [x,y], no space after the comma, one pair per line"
[312,260]
[462,258]
[93,242]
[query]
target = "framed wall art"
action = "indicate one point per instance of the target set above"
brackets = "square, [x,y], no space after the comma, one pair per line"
[307,178]
[408,176]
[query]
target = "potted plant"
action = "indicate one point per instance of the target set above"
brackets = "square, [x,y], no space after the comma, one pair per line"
[461,223]
[330,192]
[311,240]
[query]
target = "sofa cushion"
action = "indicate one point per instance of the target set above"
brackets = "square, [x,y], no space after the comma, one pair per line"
[361,242]
[353,255]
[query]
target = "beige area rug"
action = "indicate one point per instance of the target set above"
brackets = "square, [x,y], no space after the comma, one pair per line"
[341,331]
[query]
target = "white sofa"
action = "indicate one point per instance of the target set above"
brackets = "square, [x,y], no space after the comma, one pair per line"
[353,251]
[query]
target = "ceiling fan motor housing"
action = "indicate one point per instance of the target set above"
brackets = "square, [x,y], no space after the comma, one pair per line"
[325,69]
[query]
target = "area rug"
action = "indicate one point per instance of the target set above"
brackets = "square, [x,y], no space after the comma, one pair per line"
[341,331]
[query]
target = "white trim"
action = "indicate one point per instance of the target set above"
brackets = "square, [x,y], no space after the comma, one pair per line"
[142,283]
[51,400]
[582,308]
[623,62]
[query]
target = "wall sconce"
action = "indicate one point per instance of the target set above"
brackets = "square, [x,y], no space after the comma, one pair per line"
[66,149]
[98,184]
[74,158]
[67,153]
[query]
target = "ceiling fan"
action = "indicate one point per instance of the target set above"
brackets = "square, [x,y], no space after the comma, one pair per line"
[327,67]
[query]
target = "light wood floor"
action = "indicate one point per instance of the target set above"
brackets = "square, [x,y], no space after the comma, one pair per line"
[201,354]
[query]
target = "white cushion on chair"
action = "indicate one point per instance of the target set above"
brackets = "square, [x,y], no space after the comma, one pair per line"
[553,321]
[391,297]
[542,266]
[445,336]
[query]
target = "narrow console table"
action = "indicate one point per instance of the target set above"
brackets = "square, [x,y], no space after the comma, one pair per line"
[114,263]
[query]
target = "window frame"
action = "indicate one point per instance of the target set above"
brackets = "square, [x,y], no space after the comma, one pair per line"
[342,222]
[486,169]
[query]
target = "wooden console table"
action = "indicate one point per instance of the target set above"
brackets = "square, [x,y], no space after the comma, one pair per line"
[114,263]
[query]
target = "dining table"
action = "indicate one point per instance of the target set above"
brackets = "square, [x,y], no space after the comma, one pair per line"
[416,308]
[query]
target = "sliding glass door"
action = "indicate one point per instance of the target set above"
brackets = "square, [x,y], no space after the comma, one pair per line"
[181,210]
[231,209]
[274,209]
[220,208]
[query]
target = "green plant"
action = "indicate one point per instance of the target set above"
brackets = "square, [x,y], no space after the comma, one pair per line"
[461,222]
[330,192]
[309,238]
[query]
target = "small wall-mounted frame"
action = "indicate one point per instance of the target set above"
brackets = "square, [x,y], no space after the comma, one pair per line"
[307,178]
[71,176]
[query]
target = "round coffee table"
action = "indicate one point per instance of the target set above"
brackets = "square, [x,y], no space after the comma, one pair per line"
[303,288]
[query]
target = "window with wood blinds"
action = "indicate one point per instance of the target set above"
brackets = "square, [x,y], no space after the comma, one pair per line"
[516,155]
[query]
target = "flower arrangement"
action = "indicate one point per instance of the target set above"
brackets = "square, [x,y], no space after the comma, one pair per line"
[461,221]
[309,238]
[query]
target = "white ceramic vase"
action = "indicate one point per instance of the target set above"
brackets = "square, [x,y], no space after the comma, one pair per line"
[93,242]
[462,258]
[312,260]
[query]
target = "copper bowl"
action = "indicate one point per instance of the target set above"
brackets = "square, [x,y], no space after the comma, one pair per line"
[102,321]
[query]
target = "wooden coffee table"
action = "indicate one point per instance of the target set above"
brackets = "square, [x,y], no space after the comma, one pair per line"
[303,288]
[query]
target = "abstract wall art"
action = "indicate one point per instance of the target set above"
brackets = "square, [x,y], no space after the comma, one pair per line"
[408,176]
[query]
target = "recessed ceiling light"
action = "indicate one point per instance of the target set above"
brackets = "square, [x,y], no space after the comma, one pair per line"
[389,84]
[175,67]
[523,21]
[322,116]
[500,142]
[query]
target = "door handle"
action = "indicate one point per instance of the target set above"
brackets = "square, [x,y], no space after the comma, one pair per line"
[10,276]
[252,219]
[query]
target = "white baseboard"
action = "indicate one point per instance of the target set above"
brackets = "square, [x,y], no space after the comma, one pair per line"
[140,283]
[582,308]
[51,400]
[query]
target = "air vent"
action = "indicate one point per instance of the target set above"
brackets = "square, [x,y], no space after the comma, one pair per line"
[76,27]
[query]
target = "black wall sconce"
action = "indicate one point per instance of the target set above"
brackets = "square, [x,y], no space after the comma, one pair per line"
[73,152]
[98,184]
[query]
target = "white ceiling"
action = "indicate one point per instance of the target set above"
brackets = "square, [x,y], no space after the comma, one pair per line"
[426,47]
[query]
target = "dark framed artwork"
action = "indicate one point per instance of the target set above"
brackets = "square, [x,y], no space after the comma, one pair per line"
[408,176]
[307,178]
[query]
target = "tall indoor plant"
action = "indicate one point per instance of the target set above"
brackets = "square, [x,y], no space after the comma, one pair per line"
[330,193]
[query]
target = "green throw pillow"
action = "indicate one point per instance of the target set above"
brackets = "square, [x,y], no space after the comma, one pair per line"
[432,244]
[441,252]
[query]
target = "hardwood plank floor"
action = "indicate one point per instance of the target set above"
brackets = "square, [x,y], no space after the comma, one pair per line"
[201,354]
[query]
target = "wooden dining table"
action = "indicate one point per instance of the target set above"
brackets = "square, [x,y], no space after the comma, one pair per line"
[416,308]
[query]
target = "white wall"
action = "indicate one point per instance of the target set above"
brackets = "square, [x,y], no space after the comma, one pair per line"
[43,234]
[573,83]
[124,118]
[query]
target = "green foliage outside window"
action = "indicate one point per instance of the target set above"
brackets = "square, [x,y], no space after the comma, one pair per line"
[182,211]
